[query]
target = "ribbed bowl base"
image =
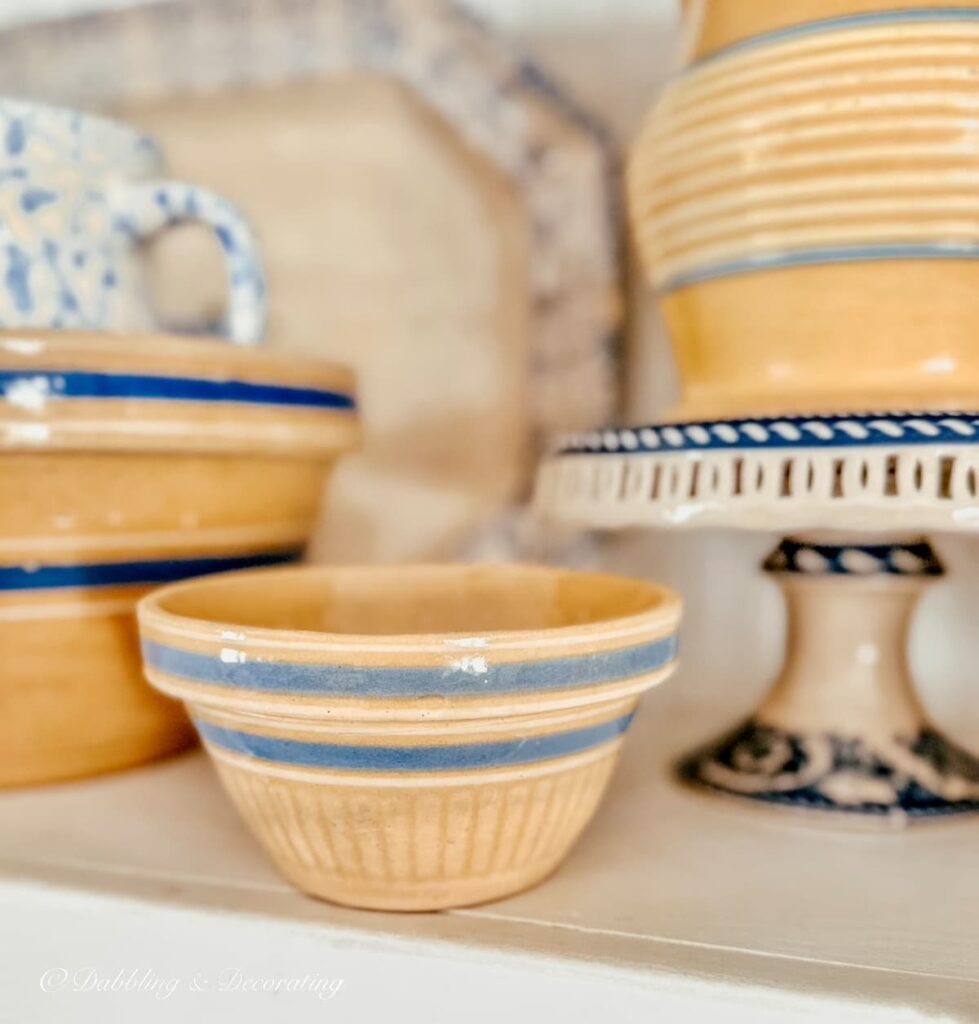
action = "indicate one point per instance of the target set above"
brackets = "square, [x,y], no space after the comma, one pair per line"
[420,845]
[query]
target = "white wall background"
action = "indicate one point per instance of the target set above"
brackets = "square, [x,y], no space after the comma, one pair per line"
[615,54]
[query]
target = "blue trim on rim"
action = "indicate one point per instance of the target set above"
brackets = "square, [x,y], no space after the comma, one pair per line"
[454,757]
[821,257]
[68,384]
[867,430]
[469,677]
[121,574]
[907,16]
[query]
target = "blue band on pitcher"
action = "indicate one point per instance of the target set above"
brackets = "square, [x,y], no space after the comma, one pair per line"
[820,257]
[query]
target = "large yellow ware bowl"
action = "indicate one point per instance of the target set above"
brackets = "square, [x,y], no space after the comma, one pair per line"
[805,202]
[126,462]
[416,737]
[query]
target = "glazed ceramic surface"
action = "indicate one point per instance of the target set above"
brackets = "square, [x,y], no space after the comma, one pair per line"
[716,25]
[785,192]
[79,195]
[843,730]
[911,470]
[418,737]
[464,255]
[126,462]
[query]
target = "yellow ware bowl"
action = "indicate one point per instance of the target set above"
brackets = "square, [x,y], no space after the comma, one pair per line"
[126,462]
[806,207]
[715,25]
[412,738]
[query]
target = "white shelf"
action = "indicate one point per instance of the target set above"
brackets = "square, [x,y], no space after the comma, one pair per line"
[672,903]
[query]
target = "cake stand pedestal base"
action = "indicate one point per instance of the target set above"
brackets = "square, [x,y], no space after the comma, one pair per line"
[842,730]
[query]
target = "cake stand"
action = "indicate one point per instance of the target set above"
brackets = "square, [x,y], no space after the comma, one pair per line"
[842,729]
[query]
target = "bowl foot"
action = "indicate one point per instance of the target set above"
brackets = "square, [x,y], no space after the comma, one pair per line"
[421,897]
[394,843]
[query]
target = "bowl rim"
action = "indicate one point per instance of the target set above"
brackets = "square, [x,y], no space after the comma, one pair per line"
[119,351]
[132,392]
[660,620]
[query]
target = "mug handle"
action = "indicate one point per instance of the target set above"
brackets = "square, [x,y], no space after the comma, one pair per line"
[151,207]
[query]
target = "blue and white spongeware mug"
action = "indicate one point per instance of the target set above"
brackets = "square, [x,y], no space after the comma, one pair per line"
[79,196]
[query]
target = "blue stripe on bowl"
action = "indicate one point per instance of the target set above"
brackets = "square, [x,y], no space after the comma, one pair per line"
[54,384]
[470,677]
[821,257]
[906,16]
[120,574]
[456,756]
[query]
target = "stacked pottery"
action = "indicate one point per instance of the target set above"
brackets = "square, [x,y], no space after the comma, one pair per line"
[127,458]
[128,461]
[804,198]
[405,739]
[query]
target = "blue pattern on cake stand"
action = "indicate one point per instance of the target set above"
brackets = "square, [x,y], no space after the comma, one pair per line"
[898,776]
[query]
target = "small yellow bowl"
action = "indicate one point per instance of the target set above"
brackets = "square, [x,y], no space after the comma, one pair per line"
[412,738]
